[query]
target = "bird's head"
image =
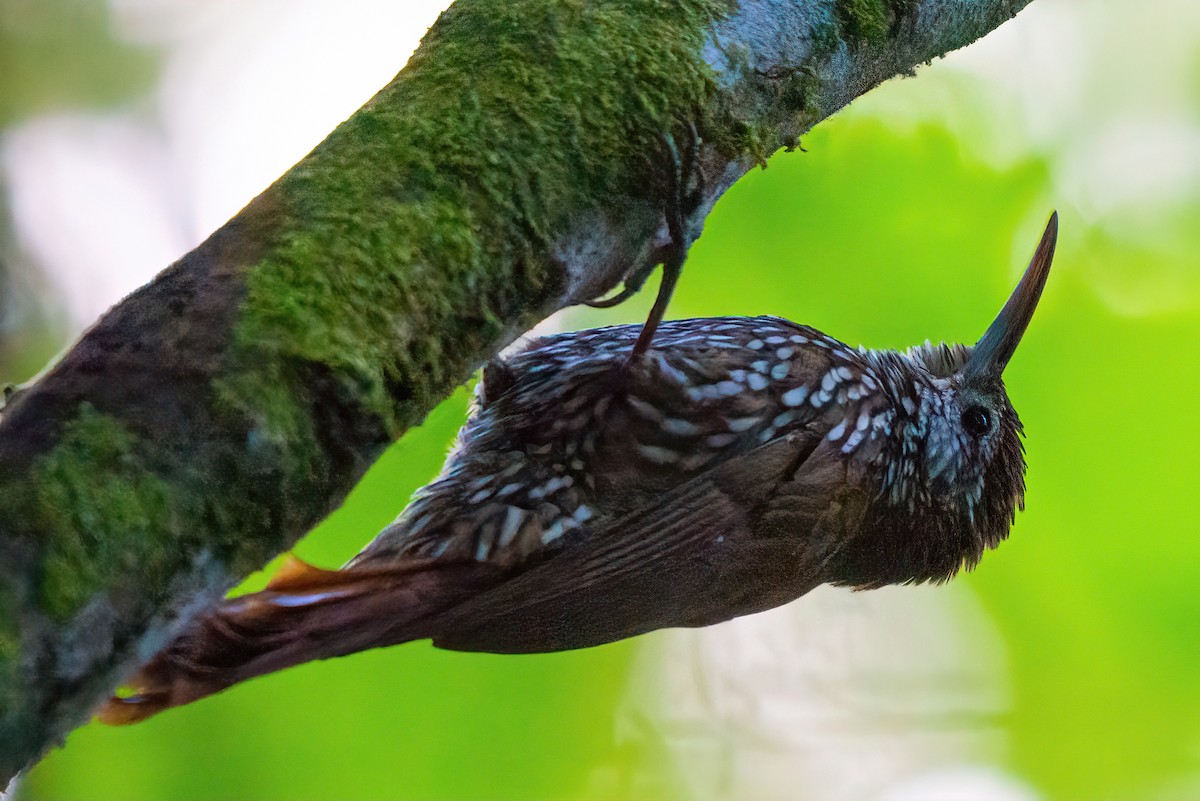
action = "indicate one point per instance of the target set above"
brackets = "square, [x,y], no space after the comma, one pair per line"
[955,475]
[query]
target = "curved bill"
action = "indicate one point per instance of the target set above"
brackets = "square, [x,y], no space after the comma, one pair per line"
[991,354]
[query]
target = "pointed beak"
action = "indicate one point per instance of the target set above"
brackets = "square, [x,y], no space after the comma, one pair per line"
[990,355]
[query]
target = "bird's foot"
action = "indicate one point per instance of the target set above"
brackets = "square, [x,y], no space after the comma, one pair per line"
[682,192]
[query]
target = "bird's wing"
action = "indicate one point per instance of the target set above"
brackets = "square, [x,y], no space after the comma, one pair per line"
[747,535]
[743,537]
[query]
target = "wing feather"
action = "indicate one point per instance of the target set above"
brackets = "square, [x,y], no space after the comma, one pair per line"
[688,559]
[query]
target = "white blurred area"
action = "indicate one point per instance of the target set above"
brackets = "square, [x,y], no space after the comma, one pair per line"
[1107,92]
[102,203]
[890,695]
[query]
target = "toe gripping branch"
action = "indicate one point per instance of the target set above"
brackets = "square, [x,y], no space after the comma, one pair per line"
[682,189]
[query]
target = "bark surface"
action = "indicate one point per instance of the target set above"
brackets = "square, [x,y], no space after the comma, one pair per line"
[214,416]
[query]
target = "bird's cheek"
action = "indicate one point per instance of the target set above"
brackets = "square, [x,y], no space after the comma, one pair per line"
[940,464]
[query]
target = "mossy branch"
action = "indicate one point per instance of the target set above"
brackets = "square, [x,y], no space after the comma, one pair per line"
[218,413]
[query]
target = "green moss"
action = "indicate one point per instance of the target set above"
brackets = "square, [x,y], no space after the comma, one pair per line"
[105,515]
[863,19]
[10,653]
[431,208]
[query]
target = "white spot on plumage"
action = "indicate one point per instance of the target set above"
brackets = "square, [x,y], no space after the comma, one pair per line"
[784,354]
[755,344]
[852,441]
[644,410]
[739,424]
[656,454]
[513,518]
[837,431]
[829,380]
[780,371]
[483,543]
[794,397]
[696,461]
[517,465]
[667,369]
[679,427]
[757,382]
[720,440]
[554,532]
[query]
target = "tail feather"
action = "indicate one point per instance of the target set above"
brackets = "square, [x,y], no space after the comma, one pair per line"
[296,574]
[305,613]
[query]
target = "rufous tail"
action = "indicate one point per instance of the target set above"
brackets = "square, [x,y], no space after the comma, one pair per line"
[305,613]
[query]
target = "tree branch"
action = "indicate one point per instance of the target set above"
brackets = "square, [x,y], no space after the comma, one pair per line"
[215,415]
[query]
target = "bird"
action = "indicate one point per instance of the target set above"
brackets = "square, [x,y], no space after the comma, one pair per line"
[739,463]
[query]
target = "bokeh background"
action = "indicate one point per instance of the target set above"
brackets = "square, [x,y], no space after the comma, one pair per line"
[1065,667]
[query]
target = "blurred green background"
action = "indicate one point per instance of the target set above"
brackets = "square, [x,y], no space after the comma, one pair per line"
[909,217]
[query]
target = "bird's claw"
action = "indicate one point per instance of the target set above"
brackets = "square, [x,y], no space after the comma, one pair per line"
[680,201]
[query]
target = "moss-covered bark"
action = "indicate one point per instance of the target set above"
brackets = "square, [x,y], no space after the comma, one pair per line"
[215,415]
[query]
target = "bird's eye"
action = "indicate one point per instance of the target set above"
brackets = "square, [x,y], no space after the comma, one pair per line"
[977,421]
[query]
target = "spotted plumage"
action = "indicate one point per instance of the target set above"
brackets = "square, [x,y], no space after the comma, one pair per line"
[734,465]
[577,427]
